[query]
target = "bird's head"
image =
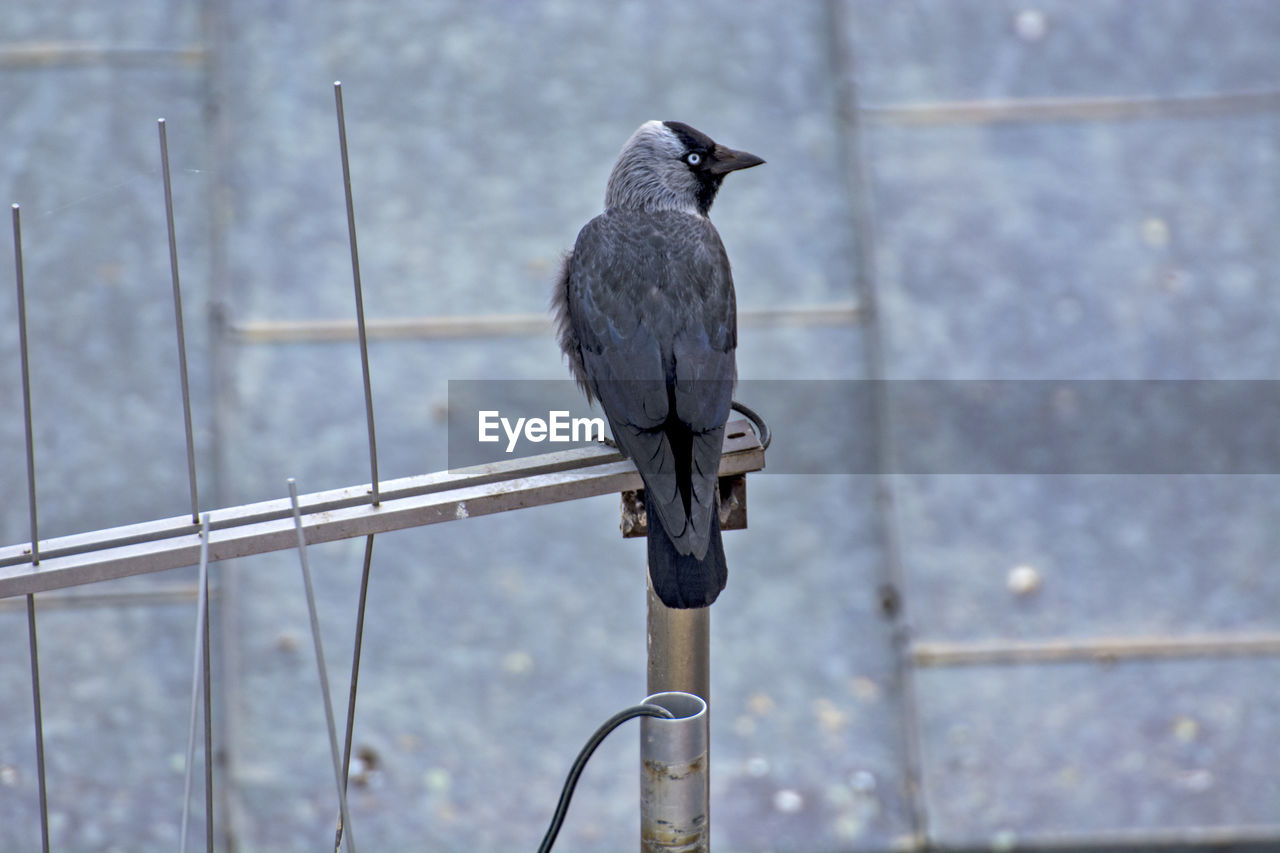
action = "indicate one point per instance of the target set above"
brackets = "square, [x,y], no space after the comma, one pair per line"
[667,165]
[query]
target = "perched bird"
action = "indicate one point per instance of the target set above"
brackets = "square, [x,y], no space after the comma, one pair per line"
[648,322]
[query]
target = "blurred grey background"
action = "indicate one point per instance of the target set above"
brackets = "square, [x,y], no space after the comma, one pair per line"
[955,189]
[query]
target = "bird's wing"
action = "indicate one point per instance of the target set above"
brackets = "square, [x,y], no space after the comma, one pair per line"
[703,348]
[651,301]
[705,371]
[621,355]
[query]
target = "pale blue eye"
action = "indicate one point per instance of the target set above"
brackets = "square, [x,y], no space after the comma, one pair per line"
[693,158]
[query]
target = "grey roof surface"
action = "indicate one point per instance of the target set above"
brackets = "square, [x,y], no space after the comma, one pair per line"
[1065,190]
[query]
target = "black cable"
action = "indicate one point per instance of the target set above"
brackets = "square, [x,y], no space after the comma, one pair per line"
[762,429]
[566,794]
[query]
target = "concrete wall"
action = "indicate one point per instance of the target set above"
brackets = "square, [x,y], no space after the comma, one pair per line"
[976,190]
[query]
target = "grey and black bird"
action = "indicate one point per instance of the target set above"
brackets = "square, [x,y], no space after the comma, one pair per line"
[648,321]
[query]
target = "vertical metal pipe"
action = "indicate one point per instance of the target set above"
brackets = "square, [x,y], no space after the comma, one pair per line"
[355,274]
[674,776]
[35,534]
[679,649]
[177,311]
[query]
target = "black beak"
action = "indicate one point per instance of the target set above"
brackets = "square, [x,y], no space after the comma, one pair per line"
[725,160]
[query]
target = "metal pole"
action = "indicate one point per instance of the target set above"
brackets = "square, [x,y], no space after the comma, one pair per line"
[674,776]
[679,642]
[177,313]
[355,275]
[26,384]
[199,664]
[322,667]
[355,675]
[35,534]
[679,649]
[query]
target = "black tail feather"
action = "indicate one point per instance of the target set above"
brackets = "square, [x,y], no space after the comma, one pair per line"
[682,580]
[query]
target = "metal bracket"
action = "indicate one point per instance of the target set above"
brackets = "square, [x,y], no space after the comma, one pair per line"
[731,490]
[731,495]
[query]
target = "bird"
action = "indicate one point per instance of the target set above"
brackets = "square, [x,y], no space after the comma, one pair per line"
[647,320]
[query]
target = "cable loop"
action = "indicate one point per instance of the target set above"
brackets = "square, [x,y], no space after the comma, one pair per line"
[762,429]
[580,764]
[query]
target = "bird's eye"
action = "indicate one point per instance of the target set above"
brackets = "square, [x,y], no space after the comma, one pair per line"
[693,158]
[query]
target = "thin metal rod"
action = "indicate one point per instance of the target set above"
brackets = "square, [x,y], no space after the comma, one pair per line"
[320,664]
[355,673]
[35,535]
[39,718]
[177,313]
[26,384]
[355,274]
[208,717]
[201,654]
